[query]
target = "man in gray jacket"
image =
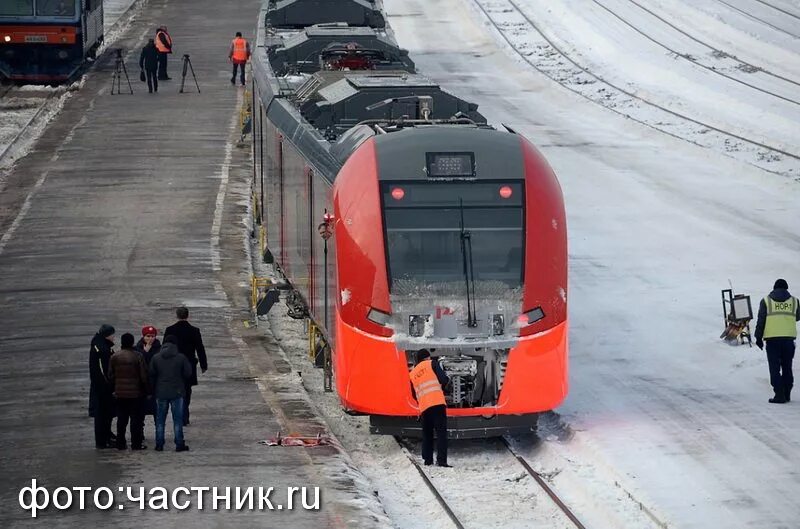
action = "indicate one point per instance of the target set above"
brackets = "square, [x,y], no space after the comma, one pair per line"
[170,372]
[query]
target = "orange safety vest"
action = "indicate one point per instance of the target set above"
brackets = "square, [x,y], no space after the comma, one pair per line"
[239,50]
[426,385]
[160,46]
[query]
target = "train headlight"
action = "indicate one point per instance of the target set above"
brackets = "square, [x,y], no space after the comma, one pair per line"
[416,324]
[7,38]
[63,55]
[498,324]
[379,317]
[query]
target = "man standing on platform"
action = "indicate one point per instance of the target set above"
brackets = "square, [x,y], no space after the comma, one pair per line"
[239,54]
[190,344]
[128,376]
[148,62]
[101,398]
[164,47]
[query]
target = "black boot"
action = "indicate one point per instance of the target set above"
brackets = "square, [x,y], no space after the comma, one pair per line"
[789,395]
[778,398]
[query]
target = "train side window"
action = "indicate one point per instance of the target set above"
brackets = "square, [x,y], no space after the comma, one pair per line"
[16,8]
[55,8]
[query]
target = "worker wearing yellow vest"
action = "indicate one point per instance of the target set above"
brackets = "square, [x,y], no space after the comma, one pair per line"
[164,47]
[239,54]
[777,317]
[427,380]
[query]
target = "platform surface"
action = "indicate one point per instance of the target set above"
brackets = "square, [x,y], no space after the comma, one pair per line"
[128,206]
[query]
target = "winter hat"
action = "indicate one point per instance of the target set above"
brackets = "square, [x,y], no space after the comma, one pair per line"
[126,340]
[781,283]
[106,330]
[170,338]
[149,329]
[422,354]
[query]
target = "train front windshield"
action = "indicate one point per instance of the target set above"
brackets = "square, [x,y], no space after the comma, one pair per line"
[433,227]
[16,8]
[40,8]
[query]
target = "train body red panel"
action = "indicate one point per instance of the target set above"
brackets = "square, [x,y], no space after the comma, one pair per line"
[447,235]
[48,40]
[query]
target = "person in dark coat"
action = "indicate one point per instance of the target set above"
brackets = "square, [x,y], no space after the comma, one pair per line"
[777,314]
[128,376]
[148,63]
[170,372]
[190,344]
[101,398]
[149,346]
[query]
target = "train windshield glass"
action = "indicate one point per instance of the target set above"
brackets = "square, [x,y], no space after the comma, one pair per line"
[424,232]
[55,8]
[16,8]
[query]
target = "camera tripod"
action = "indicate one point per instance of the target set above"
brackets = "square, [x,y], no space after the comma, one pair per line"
[187,65]
[119,71]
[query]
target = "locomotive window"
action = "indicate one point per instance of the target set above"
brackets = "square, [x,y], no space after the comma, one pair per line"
[423,231]
[55,8]
[16,8]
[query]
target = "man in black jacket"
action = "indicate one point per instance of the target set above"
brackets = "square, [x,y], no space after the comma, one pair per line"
[777,315]
[101,398]
[148,63]
[190,344]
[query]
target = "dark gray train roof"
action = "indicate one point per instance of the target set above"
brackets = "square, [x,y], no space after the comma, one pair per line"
[303,52]
[303,13]
[341,100]
[402,155]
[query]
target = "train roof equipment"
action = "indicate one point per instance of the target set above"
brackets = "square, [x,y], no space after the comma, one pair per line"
[294,14]
[337,47]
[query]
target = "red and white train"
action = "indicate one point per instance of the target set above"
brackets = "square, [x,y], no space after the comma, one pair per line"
[448,235]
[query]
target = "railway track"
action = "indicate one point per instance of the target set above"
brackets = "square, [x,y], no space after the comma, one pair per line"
[713,66]
[28,114]
[757,19]
[457,522]
[776,8]
[525,37]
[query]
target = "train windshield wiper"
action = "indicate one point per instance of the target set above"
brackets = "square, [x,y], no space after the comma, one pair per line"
[469,271]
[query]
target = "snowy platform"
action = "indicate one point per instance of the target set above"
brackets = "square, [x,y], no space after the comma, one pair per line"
[126,207]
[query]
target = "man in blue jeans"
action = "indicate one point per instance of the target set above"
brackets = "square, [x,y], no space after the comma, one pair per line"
[170,372]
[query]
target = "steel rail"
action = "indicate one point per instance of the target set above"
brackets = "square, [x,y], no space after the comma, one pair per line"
[761,20]
[36,115]
[430,485]
[689,58]
[543,484]
[628,93]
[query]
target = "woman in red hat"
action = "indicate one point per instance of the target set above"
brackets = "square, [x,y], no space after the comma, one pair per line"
[149,346]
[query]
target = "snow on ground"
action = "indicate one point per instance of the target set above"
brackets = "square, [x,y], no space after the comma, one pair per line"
[26,110]
[653,101]
[676,419]
[487,487]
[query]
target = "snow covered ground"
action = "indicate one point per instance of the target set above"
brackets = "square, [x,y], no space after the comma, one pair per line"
[678,420]
[665,426]
[30,108]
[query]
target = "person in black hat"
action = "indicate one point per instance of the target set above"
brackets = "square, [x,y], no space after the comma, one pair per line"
[128,374]
[101,398]
[148,63]
[777,317]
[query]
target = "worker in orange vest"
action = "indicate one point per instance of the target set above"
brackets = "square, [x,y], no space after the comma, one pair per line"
[427,380]
[164,47]
[239,54]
